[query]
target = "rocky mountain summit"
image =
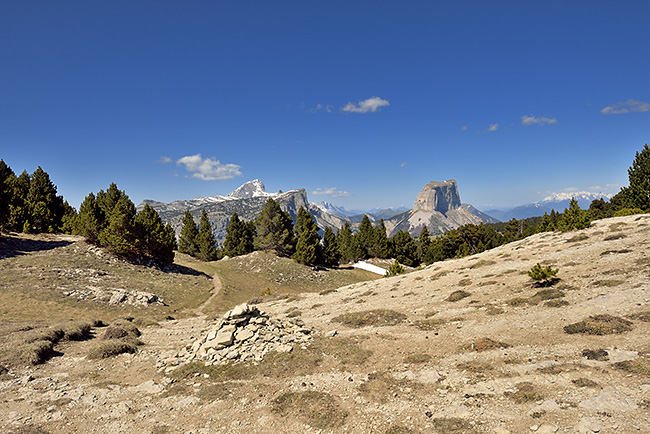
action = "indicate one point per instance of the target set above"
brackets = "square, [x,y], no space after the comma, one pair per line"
[438,206]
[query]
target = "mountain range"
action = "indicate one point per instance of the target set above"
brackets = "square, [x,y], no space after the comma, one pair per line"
[555,201]
[438,206]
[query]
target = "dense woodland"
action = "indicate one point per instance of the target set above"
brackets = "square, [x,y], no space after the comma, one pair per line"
[29,203]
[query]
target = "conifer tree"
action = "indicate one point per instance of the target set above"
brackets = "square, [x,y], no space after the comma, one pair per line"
[574,217]
[45,208]
[205,240]
[404,249]
[379,246]
[637,194]
[364,239]
[88,221]
[345,243]
[187,242]
[331,253]
[424,243]
[274,230]
[119,236]
[18,213]
[239,237]
[6,193]
[308,248]
[107,200]
[154,239]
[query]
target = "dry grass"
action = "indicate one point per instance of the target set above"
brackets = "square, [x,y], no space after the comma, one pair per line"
[641,316]
[111,348]
[599,354]
[452,426]
[604,324]
[430,324]
[485,344]
[317,409]
[381,386]
[458,295]
[639,366]
[375,317]
[585,382]
[525,392]
[417,358]
[400,429]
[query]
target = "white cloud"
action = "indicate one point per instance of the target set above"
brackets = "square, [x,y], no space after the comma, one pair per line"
[493,127]
[319,107]
[571,189]
[208,169]
[164,160]
[403,164]
[367,105]
[542,120]
[331,191]
[630,105]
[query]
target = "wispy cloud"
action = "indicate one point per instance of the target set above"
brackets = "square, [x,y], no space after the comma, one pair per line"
[403,164]
[630,105]
[542,120]
[319,107]
[493,127]
[331,191]
[208,169]
[164,160]
[571,189]
[367,105]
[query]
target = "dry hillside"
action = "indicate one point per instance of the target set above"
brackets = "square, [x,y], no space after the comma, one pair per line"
[463,346]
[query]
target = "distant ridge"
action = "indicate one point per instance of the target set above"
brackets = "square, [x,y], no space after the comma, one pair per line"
[554,201]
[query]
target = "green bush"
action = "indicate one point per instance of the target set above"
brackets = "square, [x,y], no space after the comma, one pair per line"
[395,269]
[543,275]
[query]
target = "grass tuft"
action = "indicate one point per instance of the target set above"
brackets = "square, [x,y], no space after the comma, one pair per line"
[376,317]
[599,325]
[417,358]
[458,295]
[112,348]
[452,425]
[640,366]
[526,392]
[317,409]
[485,344]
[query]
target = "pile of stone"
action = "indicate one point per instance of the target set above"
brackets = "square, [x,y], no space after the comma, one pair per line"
[246,333]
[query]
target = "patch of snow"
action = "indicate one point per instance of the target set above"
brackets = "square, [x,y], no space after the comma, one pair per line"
[369,267]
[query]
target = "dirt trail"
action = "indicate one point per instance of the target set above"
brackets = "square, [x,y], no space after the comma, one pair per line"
[215,292]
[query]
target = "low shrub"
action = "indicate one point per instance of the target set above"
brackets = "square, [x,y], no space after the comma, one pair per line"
[317,409]
[458,295]
[604,324]
[376,317]
[112,348]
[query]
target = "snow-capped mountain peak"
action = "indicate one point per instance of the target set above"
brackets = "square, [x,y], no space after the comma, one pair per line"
[578,195]
[253,188]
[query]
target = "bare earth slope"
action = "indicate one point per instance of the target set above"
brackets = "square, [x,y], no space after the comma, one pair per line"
[408,354]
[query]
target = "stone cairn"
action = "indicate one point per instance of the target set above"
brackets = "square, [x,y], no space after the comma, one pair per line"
[246,333]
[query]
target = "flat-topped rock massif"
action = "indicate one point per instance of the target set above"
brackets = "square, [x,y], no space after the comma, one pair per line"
[438,196]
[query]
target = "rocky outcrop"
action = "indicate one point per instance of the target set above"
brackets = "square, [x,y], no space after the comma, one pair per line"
[438,196]
[117,296]
[244,333]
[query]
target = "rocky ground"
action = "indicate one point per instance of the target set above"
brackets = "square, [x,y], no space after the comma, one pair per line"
[463,346]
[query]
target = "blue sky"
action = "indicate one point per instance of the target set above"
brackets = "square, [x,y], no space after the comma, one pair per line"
[359,102]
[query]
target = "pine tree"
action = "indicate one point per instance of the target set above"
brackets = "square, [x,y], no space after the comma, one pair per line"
[404,249]
[308,248]
[574,217]
[364,239]
[107,200]
[45,208]
[205,240]
[345,243]
[187,242]
[638,192]
[331,253]
[119,236]
[69,218]
[424,243]
[6,193]
[153,239]
[379,246]
[18,214]
[274,230]
[239,237]
[88,221]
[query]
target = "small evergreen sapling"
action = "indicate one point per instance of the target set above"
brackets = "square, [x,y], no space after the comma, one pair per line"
[395,269]
[543,275]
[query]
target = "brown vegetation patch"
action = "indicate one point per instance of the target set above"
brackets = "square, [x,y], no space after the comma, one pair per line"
[641,316]
[599,354]
[317,409]
[604,324]
[417,358]
[121,330]
[639,366]
[608,283]
[464,282]
[380,386]
[375,317]
[526,392]
[485,344]
[452,425]
[458,295]
[112,348]
[585,382]
[429,324]
[400,429]
[556,303]
[615,237]
[482,263]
